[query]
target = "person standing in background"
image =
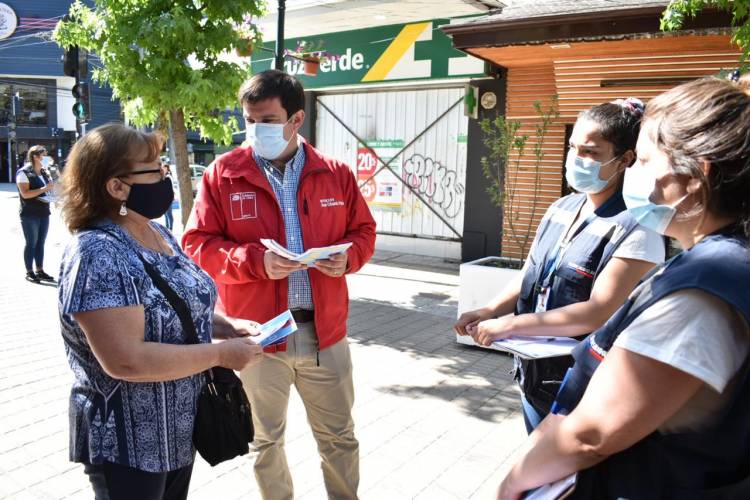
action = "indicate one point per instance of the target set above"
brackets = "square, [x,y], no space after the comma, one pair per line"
[168,216]
[34,185]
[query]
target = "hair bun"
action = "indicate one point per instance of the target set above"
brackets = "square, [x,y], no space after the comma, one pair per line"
[632,105]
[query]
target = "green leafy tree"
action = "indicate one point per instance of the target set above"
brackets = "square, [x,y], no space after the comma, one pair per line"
[162,59]
[678,11]
[506,146]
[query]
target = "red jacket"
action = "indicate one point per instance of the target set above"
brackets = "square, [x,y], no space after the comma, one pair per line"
[236,207]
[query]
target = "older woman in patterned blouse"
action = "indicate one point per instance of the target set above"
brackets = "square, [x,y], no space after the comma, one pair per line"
[136,384]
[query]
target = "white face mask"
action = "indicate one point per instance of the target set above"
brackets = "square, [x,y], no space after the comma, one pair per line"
[267,139]
[637,188]
[583,173]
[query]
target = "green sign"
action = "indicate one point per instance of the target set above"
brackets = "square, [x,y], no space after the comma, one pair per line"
[398,52]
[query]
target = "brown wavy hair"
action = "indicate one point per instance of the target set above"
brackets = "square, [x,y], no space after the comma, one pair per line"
[708,120]
[105,152]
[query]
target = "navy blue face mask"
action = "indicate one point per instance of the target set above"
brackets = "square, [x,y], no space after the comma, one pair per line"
[150,200]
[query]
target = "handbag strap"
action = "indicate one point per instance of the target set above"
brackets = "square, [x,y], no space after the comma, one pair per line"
[179,305]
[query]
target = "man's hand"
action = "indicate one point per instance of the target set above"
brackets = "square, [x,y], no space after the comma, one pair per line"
[335,266]
[278,267]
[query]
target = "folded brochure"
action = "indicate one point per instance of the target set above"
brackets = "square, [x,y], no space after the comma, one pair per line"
[276,329]
[310,256]
[537,347]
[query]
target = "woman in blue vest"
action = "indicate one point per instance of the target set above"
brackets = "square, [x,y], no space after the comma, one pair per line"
[587,256]
[658,402]
[34,184]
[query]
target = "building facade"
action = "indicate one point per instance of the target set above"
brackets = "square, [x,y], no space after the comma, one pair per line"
[390,101]
[581,53]
[31,66]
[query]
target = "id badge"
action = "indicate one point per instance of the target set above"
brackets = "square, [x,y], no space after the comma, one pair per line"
[541,300]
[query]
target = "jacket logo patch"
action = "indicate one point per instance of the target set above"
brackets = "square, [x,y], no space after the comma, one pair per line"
[243,206]
[331,202]
[581,270]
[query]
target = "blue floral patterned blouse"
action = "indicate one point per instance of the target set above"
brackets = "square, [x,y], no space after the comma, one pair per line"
[144,425]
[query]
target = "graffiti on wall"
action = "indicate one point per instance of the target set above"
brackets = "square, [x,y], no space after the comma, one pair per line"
[435,182]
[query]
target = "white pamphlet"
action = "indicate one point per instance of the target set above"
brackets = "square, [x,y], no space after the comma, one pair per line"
[310,256]
[276,329]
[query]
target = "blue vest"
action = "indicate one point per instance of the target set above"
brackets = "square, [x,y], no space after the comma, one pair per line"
[569,277]
[34,207]
[712,463]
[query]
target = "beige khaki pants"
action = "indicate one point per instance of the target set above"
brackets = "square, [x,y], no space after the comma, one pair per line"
[327,392]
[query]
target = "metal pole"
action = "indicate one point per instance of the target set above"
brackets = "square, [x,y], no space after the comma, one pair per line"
[10,149]
[279,62]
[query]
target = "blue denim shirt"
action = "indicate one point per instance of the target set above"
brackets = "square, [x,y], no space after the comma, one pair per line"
[285,187]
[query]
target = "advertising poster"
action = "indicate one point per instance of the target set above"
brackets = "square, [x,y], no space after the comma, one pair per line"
[384,190]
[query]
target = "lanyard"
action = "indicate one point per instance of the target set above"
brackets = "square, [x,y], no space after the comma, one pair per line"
[552,262]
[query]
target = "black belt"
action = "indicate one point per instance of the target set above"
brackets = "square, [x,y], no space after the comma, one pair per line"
[303,315]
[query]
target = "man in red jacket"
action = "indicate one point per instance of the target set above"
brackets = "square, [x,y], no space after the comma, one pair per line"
[282,188]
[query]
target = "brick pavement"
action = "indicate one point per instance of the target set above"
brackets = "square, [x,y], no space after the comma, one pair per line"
[436,420]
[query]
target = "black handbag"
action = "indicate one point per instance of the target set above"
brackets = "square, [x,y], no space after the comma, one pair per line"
[223,425]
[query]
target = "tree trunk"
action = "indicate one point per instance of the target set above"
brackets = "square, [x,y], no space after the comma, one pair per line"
[179,139]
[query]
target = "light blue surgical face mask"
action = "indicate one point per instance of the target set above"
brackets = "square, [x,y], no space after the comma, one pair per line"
[637,188]
[583,173]
[46,161]
[267,139]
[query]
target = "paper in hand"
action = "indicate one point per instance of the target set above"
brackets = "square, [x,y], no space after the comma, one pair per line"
[276,329]
[310,256]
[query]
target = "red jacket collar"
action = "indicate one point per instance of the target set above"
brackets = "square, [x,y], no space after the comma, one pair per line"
[240,163]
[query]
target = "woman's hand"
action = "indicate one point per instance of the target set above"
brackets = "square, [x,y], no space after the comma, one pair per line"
[225,327]
[239,353]
[487,331]
[244,327]
[471,318]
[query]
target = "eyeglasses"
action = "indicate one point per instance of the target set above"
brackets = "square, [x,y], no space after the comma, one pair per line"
[160,170]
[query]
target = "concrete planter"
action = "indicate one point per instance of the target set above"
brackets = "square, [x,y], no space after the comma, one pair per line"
[479,282]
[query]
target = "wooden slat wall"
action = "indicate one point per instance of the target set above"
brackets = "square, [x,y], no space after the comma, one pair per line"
[527,85]
[578,85]
[579,81]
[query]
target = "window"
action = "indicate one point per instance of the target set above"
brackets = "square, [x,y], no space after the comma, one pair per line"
[34,104]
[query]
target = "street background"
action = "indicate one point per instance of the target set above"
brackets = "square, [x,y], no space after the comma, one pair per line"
[435,419]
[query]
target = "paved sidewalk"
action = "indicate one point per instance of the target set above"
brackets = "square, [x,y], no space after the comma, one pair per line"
[435,419]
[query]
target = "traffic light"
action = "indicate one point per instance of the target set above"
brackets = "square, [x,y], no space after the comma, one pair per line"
[82,106]
[70,61]
[75,64]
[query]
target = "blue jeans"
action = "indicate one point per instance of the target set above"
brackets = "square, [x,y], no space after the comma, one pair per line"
[531,417]
[169,219]
[35,233]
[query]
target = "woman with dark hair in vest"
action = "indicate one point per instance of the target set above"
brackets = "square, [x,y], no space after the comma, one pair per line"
[34,183]
[587,256]
[658,402]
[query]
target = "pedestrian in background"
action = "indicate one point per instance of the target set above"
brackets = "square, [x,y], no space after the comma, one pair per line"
[136,385]
[280,187]
[658,402]
[588,255]
[34,185]
[168,216]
